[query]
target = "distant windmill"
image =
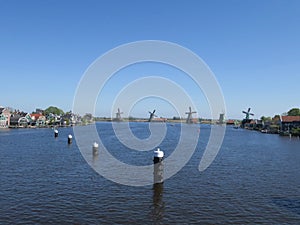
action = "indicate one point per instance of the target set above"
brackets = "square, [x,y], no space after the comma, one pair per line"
[151,115]
[118,115]
[189,118]
[221,118]
[248,114]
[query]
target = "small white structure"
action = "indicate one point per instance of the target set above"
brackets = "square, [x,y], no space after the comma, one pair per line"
[158,153]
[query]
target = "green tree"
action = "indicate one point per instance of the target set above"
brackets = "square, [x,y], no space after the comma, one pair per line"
[294,112]
[54,110]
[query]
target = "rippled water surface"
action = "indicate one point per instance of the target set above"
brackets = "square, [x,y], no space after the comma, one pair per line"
[254,179]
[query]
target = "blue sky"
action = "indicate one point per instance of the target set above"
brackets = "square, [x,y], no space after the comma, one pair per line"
[252,47]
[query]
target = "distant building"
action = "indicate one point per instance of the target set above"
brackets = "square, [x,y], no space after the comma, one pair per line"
[254,124]
[39,111]
[35,116]
[289,122]
[53,119]
[4,117]
[221,119]
[41,121]
[38,119]
[20,119]
[230,122]
[14,119]
[88,118]
[70,119]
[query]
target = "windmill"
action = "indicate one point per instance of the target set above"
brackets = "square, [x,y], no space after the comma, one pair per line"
[248,114]
[247,118]
[152,115]
[189,118]
[118,115]
[221,118]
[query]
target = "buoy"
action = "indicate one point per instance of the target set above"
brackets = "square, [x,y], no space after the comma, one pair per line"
[95,148]
[70,139]
[158,173]
[55,133]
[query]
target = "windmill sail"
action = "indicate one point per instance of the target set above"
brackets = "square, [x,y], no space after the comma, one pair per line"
[152,114]
[189,117]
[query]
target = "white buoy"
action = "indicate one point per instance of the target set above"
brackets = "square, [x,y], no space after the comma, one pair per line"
[158,173]
[55,133]
[95,148]
[70,139]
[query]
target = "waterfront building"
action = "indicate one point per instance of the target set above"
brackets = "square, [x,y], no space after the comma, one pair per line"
[4,117]
[254,124]
[38,119]
[53,119]
[14,119]
[289,122]
[20,119]
[230,122]
[39,111]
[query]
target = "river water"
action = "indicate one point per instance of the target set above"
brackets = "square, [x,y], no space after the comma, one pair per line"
[254,179]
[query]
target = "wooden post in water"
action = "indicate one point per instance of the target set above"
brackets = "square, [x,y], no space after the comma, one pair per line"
[158,173]
[70,139]
[95,149]
[158,203]
[55,133]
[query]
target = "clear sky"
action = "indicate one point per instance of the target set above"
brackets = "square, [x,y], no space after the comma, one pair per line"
[253,48]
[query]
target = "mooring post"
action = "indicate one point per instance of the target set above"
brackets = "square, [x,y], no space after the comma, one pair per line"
[158,174]
[70,139]
[95,149]
[55,133]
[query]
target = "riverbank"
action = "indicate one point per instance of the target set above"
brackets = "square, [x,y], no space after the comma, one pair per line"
[46,126]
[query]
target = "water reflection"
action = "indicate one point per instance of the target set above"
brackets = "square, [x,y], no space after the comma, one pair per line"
[290,204]
[158,203]
[95,158]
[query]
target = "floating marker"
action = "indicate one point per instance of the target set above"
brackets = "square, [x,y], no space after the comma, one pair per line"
[158,174]
[70,139]
[55,133]
[95,148]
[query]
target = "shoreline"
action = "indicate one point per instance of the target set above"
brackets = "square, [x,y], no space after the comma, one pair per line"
[145,121]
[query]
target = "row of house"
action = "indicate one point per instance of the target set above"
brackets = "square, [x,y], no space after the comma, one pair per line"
[22,119]
[285,124]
